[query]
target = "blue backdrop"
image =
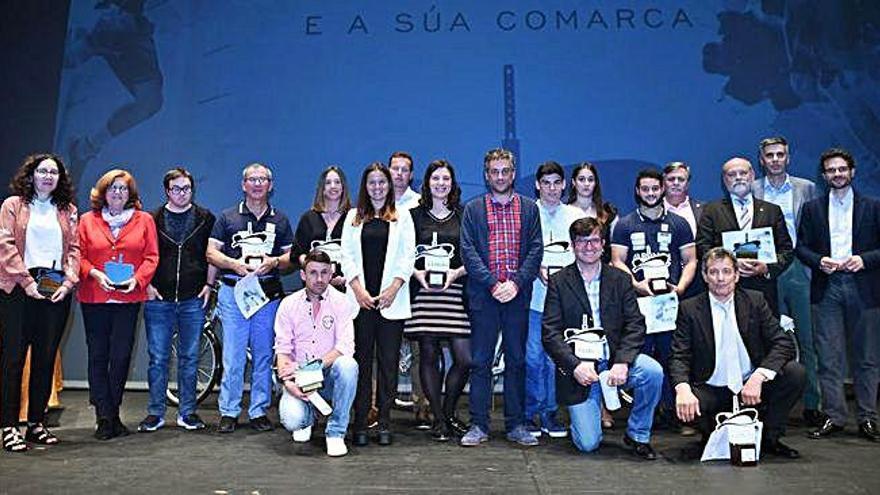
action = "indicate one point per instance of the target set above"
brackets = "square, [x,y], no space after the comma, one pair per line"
[215,84]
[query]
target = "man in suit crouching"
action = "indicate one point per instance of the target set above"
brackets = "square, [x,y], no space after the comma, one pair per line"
[727,342]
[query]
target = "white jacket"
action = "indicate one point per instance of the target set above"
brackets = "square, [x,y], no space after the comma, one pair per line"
[399,259]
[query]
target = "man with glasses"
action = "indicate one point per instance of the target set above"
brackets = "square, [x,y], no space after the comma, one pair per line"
[739,210]
[793,286]
[839,239]
[590,295]
[176,299]
[252,237]
[501,250]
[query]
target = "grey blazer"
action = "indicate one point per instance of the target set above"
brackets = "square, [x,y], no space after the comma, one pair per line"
[803,190]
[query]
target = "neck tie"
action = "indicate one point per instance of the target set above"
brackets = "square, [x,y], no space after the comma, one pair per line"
[745,218]
[728,360]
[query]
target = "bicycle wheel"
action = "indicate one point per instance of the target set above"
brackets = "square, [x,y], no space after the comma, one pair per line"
[208,370]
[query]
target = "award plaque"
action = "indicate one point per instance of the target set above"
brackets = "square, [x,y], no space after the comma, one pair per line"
[118,272]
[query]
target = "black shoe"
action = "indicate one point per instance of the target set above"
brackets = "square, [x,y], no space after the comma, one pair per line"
[227,424]
[104,429]
[440,431]
[119,429]
[828,429]
[360,439]
[643,450]
[457,426]
[814,417]
[868,429]
[779,449]
[261,424]
[384,437]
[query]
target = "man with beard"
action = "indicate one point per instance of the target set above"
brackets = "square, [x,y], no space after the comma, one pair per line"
[501,248]
[839,239]
[793,287]
[741,211]
[648,240]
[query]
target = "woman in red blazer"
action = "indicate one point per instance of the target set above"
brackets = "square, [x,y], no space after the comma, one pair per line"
[119,256]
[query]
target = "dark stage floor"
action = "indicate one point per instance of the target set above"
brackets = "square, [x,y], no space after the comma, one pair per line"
[174,461]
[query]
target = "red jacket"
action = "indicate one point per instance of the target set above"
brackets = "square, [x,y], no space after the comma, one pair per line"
[138,245]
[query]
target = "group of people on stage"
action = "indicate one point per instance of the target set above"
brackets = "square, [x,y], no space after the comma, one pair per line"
[395,263]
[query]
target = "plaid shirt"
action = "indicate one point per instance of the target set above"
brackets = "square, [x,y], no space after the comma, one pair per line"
[504,233]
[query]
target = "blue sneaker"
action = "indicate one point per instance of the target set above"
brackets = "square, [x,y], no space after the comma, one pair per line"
[151,423]
[475,436]
[552,427]
[522,436]
[533,428]
[191,422]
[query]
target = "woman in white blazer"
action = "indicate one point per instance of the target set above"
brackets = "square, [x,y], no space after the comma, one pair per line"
[378,254]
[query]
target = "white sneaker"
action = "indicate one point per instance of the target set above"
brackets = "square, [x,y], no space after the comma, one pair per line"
[336,446]
[303,435]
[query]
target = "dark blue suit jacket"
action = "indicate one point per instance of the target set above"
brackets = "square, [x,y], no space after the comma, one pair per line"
[475,252]
[814,242]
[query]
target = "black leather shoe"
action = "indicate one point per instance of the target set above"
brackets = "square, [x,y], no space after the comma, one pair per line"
[457,426]
[814,417]
[779,449]
[384,437]
[360,439]
[104,429]
[643,450]
[828,429]
[119,429]
[227,424]
[440,431]
[261,424]
[868,429]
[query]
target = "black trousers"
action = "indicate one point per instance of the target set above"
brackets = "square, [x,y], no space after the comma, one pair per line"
[778,397]
[110,337]
[38,324]
[374,333]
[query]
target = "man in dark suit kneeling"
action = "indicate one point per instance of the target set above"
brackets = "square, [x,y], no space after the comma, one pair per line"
[727,342]
[592,294]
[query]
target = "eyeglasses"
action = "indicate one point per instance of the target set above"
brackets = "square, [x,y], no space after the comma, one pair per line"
[46,172]
[180,189]
[588,241]
[258,180]
[836,170]
[118,189]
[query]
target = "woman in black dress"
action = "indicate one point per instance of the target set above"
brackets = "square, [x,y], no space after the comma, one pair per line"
[438,308]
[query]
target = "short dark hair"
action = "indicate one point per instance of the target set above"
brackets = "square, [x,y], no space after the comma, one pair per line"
[402,154]
[453,201]
[646,173]
[583,227]
[549,168]
[771,141]
[317,256]
[836,153]
[717,253]
[498,154]
[176,173]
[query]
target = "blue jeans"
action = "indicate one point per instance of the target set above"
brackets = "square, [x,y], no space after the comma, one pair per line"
[793,287]
[340,385]
[844,322]
[540,373]
[161,319]
[646,377]
[239,334]
[511,319]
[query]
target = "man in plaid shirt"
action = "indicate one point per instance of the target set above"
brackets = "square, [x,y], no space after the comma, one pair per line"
[501,248]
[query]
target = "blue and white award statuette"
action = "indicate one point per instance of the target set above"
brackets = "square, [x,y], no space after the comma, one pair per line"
[118,272]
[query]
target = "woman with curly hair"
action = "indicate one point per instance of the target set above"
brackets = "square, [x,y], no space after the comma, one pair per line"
[39,266]
[120,253]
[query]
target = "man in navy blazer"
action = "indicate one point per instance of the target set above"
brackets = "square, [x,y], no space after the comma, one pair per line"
[501,249]
[839,239]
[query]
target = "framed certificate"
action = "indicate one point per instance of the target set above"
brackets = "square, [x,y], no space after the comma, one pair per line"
[753,244]
[660,312]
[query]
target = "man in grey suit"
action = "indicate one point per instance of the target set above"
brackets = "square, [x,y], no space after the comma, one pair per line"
[793,285]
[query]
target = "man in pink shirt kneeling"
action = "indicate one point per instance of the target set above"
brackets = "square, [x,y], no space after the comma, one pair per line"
[316,323]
